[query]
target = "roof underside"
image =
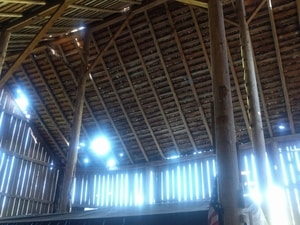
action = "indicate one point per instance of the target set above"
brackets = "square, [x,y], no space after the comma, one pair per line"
[149,89]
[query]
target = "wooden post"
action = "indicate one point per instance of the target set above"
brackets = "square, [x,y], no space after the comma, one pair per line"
[298,10]
[65,194]
[224,120]
[4,39]
[258,141]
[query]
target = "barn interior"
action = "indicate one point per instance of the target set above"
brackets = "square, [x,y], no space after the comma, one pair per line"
[125,111]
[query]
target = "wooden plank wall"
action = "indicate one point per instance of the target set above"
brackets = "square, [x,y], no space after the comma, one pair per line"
[188,181]
[177,182]
[27,172]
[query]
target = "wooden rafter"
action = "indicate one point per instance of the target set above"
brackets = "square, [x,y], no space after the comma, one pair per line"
[262,97]
[191,82]
[138,101]
[280,67]
[298,10]
[50,92]
[103,51]
[72,71]
[200,36]
[238,90]
[124,111]
[107,112]
[4,39]
[29,17]
[45,108]
[34,129]
[153,90]
[79,18]
[70,167]
[204,8]
[10,14]
[61,152]
[256,11]
[59,11]
[170,83]
[94,9]
[122,106]
[124,16]
[194,3]
[192,35]
[27,2]
[138,2]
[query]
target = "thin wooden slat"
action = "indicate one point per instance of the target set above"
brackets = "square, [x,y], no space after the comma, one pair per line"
[15,171]
[59,11]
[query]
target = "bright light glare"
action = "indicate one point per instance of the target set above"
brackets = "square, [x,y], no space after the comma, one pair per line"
[126,9]
[270,3]
[151,189]
[82,144]
[281,127]
[86,160]
[111,163]
[101,146]
[77,29]
[278,206]
[22,102]
[173,157]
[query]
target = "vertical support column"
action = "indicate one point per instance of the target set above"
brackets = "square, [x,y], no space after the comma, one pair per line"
[224,121]
[65,194]
[298,10]
[258,141]
[4,39]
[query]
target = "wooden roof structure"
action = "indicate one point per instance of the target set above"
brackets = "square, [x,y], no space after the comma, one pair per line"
[149,87]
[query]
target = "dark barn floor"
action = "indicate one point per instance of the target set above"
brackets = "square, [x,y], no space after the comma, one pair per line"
[175,214]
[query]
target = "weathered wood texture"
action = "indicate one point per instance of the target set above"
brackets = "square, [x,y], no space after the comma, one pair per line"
[28,171]
[150,92]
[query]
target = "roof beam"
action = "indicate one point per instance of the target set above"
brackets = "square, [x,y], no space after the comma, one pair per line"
[49,90]
[9,14]
[225,19]
[26,2]
[110,42]
[103,104]
[60,151]
[99,59]
[239,93]
[41,103]
[79,18]
[194,3]
[191,82]
[262,97]
[4,40]
[63,89]
[298,10]
[59,11]
[256,11]
[29,17]
[136,97]
[153,88]
[107,112]
[200,36]
[72,156]
[37,134]
[280,67]
[95,9]
[170,81]
[138,2]
[124,111]
[123,17]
